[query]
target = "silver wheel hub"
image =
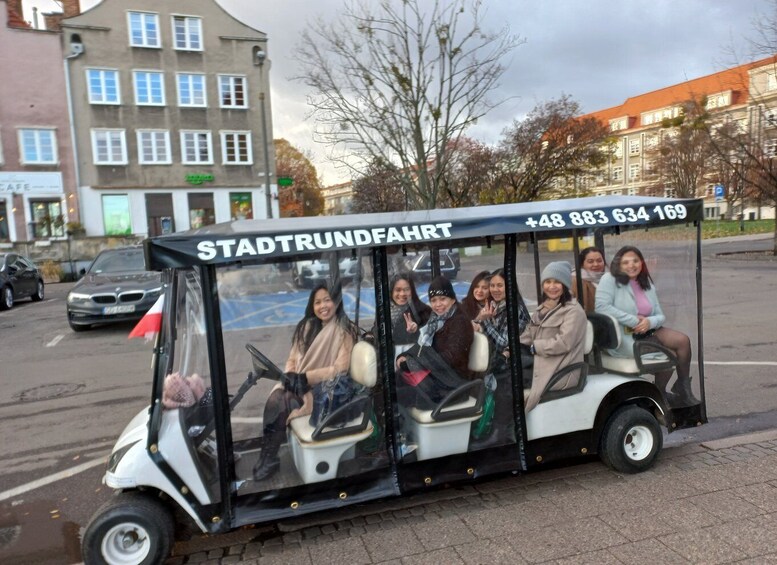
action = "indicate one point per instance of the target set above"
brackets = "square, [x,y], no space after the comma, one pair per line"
[638,443]
[125,543]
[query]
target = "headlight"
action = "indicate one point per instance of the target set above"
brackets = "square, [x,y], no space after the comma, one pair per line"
[116,456]
[77,296]
[154,291]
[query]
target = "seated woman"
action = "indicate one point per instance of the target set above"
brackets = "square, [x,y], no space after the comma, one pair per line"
[320,351]
[438,362]
[556,333]
[492,321]
[477,296]
[628,294]
[592,267]
[408,313]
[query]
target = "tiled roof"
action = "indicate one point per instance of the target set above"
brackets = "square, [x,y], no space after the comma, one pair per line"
[735,79]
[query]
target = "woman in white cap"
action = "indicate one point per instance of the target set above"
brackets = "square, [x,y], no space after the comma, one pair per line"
[556,332]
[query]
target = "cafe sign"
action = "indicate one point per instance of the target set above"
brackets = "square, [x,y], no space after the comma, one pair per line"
[30,183]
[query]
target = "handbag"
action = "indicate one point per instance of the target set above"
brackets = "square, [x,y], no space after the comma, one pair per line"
[330,395]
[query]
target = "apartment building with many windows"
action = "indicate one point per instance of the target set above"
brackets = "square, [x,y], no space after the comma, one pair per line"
[38,192]
[746,94]
[167,101]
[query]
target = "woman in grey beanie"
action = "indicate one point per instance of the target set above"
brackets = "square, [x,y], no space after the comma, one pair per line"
[556,332]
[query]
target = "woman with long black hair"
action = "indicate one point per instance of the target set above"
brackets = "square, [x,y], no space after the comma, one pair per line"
[628,294]
[320,351]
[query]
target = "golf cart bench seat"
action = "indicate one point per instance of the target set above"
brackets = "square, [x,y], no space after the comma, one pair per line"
[648,357]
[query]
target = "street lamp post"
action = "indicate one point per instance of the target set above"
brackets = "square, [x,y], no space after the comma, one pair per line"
[260,56]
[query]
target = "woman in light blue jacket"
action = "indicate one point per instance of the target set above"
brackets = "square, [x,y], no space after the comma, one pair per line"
[627,293]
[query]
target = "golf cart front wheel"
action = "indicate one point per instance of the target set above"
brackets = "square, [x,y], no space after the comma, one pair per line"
[130,529]
[631,441]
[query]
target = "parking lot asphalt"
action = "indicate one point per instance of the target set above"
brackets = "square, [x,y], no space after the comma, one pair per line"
[714,502]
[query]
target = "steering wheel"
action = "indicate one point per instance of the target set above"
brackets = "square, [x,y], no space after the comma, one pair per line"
[263,367]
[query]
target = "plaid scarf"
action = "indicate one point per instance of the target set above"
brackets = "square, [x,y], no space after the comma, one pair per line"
[433,326]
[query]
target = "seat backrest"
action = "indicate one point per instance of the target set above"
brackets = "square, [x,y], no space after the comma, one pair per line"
[364,364]
[589,337]
[606,330]
[479,354]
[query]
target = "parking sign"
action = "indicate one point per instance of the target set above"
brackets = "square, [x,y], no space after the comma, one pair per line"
[719,192]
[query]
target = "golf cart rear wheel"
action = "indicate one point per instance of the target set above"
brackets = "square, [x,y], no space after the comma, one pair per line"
[130,529]
[631,441]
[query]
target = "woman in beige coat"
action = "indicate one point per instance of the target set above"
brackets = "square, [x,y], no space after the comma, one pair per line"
[556,332]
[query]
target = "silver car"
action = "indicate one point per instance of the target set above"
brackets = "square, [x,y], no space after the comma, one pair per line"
[116,288]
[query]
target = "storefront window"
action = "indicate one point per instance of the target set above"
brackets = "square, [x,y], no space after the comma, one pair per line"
[116,214]
[47,219]
[240,206]
[201,210]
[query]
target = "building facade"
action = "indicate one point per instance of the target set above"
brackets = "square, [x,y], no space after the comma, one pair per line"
[746,94]
[172,129]
[38,190]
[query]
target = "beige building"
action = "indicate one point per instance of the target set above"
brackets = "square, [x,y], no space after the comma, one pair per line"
[337,198]
[746,94]
[171,126]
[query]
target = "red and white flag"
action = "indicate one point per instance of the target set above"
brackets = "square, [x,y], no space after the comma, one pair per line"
[150,324]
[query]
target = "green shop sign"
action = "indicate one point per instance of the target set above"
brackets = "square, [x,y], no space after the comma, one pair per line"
[198,179]
[285,181]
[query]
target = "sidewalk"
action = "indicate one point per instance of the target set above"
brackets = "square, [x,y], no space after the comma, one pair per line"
[710,503]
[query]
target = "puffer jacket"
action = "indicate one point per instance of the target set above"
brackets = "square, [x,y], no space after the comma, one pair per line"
[559,341]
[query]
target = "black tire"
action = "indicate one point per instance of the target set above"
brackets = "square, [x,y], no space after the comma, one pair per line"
[6,298]
[631,440]
[130,528]
[39,292]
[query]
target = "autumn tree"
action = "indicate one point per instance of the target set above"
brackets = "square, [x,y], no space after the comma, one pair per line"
[303,197]
[551,145]
[473,170]
[755,142]
[399,81]
[683,153]
[379,189]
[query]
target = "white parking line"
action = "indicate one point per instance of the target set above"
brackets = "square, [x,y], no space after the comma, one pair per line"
[55,341]
[766,363]
[50,479]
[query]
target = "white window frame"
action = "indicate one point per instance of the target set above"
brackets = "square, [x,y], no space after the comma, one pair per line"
[617,173]
[148,74]
[179,77]
[230,81]
[771,81]
[187,21]
[209,141]
[144,41]
[112,136]
[102,99]
[634,146]
[770,147]
[234,134]
[157,145]
[634,171]
[38,133]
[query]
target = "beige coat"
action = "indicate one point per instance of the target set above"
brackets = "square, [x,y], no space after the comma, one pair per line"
[559,341]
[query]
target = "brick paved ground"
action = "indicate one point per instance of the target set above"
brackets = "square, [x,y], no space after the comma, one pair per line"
[709,503]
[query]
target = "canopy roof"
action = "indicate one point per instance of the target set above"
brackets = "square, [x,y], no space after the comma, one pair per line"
[251,239]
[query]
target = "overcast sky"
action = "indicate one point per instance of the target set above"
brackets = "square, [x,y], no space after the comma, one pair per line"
[598,51]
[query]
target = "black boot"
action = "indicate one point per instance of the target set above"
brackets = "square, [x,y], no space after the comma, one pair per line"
[267,466]
[682,389]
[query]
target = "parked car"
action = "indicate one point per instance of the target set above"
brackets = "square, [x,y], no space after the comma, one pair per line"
[420,265]
[19,278]
[116,288]
[307,273]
